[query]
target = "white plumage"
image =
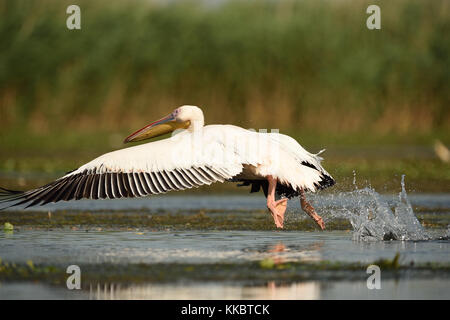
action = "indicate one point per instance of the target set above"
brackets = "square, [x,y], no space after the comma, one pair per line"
[195,156]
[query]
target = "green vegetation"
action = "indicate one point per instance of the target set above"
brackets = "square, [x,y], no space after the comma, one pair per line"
[29,271]
[207,219]
[8,227]
[303,66]
[150,220]
[310,68]
[248,272]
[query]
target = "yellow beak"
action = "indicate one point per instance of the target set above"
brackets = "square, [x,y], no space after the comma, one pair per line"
[157,128]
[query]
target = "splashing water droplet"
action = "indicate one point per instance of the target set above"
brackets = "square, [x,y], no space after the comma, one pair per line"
[354,180]
[374,219]
[406,219]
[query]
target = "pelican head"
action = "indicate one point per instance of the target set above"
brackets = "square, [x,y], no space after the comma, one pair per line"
[184,117]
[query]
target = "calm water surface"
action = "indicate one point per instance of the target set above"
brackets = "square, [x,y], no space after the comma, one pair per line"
[66,247]
[72,247]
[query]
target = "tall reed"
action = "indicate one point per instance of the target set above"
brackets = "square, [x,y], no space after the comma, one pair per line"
[302,66]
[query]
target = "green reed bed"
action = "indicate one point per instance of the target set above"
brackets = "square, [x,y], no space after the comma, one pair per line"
[304,66]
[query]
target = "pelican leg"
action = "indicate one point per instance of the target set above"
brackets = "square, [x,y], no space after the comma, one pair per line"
[277,208]
[308,208]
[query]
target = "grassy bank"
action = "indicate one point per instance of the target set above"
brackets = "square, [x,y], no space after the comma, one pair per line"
[304,66]
[181,220]
[250,273]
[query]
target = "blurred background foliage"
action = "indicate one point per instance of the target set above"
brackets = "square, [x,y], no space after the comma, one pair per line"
[310,68]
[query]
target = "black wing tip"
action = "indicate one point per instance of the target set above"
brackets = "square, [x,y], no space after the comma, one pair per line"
[8,197]
[326,182]
[8,192]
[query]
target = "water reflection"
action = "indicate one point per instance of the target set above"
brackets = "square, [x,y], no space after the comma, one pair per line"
[206,291]
[277,252]
[281,253]
[79,247]
[391,289]
[308,290]
[279,247]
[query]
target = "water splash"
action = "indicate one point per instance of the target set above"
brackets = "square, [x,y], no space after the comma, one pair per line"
[374,219]
[354,180]
[446,236]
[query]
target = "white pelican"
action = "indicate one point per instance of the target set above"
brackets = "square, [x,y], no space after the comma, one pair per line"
[196,156]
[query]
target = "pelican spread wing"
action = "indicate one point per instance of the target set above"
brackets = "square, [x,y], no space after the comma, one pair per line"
[132,172]
[199,155]
[167,165]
